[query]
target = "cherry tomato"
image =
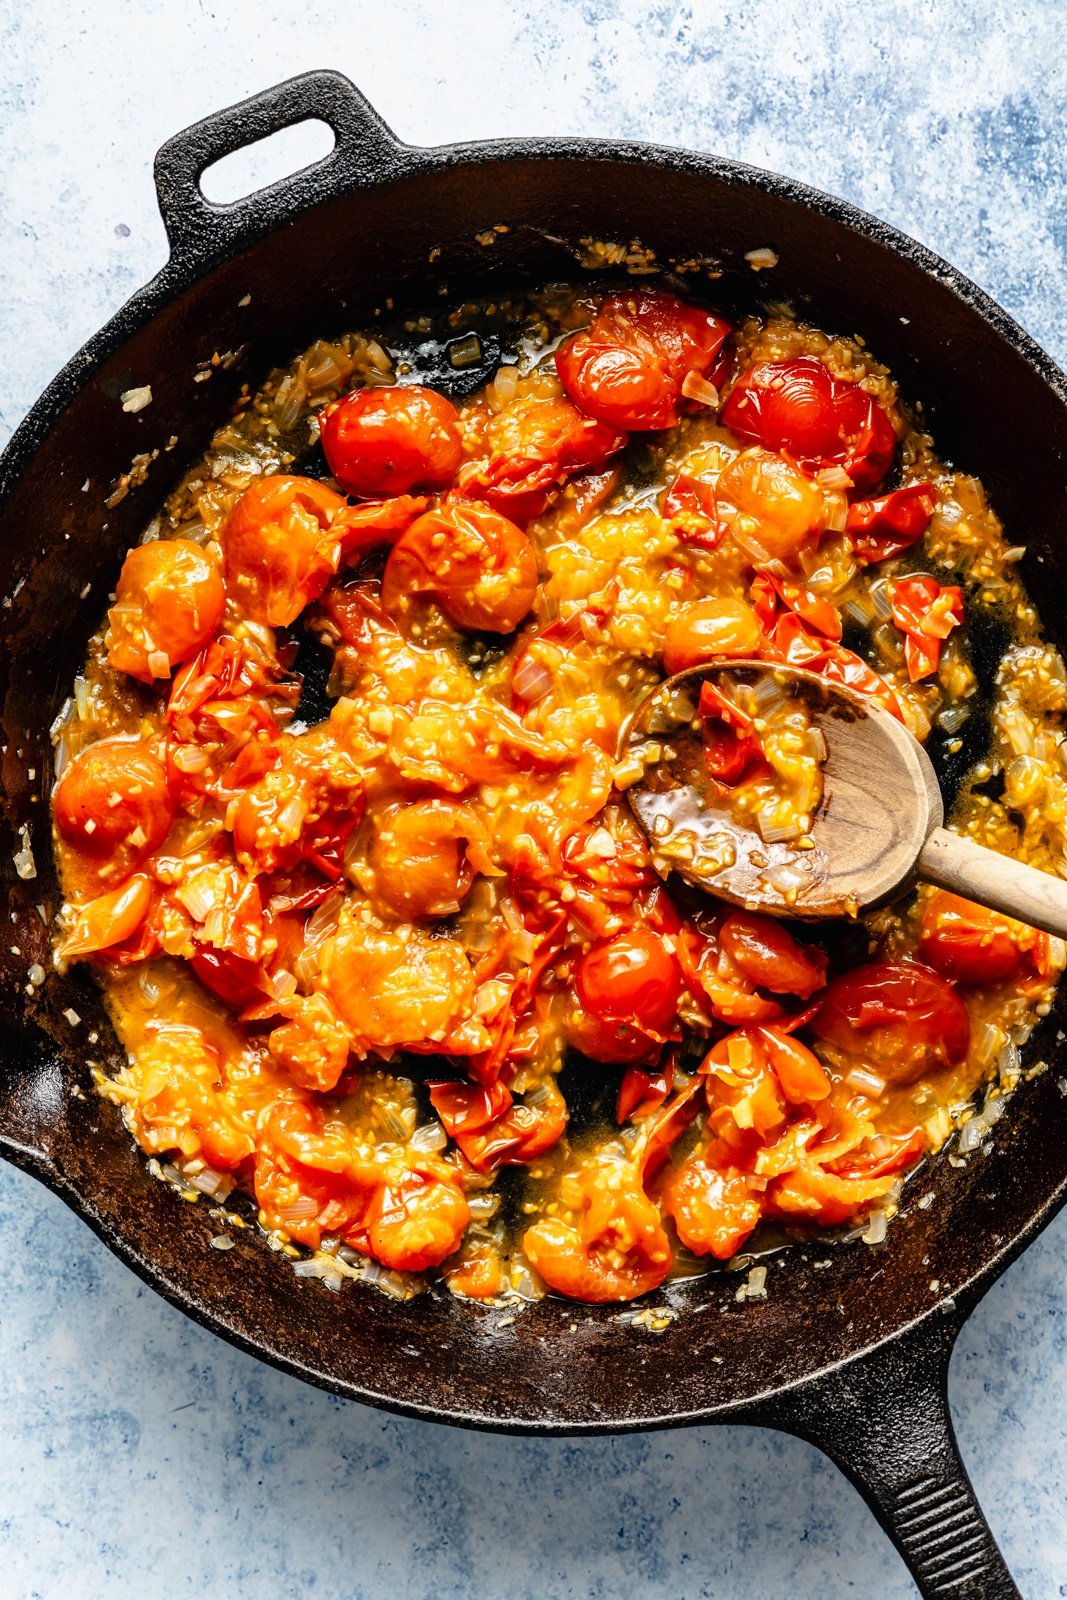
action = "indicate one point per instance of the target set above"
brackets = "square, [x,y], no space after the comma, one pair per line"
[535,445]
[110,918]
[418,856]
[901,1017]
[631,979]
[492,1129]
[393,989]
[768,955]
[714,1211]
[815,1195]
[278,548]
[168,602]
[894,522]
[708,629]
[387,441]
[414,1223]
[800,408]
[478,566]
[971,944]
[779,507]
[615,1249]
[113,802]
[629,366]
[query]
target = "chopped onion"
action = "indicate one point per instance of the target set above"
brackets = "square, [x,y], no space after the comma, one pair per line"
[787,877]
[875,1232]
[694,387]
[429,1138]
[772,831]
[866,1082]
[952,718]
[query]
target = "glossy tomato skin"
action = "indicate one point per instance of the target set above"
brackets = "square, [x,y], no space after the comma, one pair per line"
[113,802]
[473,561]
[632,980]
[711,629]
[418,857]
[900,1016]
[799,407]
[628,367]
[968,943]
[535,445]
[277,549]
[169,601]
[388,441]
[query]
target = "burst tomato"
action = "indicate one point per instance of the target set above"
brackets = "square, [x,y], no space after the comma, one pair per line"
[768,955]
[169,600]
[278,549]
[800,408]
[900,1016]
[534,446]
[971,944]
[714,1210]
[615,1248]
[387,441]
[419,858]
[633,980]
[110,918]
[884,527]
[628,368]
[479,567]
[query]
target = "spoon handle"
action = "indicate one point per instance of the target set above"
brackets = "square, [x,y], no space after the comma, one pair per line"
[1003,884]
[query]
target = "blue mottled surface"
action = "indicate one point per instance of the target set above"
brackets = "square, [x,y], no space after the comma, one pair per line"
[139,1452]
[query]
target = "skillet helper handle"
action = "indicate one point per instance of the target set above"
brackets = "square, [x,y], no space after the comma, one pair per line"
[884,1420]
[1000,882]
[366,152]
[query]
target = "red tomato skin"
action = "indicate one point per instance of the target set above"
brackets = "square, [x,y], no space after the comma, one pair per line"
[799,408]
[770,957]
[628,367]
[631,979]
[894,522]
[967,943]
[884,994]
[388,441]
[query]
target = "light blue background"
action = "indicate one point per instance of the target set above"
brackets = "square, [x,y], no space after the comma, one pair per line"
[140,1454]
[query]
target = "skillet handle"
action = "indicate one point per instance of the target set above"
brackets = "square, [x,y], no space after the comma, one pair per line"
[884,1420]
[366,152]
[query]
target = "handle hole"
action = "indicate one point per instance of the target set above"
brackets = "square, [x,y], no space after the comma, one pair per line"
[267,160]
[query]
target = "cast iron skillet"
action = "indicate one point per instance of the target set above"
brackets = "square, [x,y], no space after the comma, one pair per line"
[852,1357]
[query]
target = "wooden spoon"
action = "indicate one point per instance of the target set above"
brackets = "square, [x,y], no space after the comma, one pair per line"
[877,830]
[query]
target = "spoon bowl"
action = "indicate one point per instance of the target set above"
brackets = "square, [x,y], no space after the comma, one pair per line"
[876,831]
